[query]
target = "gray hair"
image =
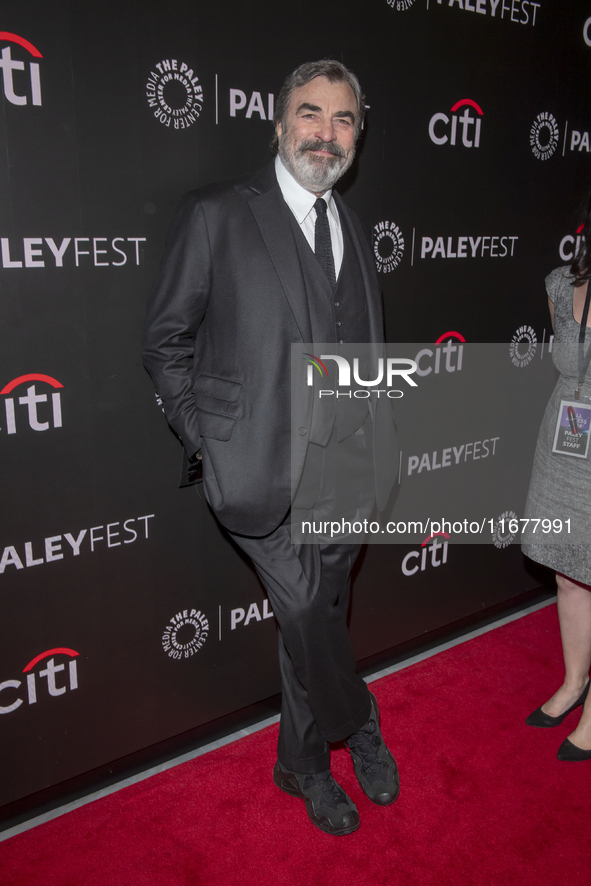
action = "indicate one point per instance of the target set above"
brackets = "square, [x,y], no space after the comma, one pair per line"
[335,72]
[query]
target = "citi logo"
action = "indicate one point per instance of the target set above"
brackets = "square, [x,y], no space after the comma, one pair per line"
[50,414]
[569,245]
[53,680]
[416,561]
[441,132]
[429,361]
[30,78]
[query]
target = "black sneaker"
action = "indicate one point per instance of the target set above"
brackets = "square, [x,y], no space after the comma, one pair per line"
[328,806]
[374,765]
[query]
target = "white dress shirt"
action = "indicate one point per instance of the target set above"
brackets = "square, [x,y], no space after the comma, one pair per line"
[301,202]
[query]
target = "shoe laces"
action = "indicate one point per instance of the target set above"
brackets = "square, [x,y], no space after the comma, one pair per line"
[366,743]
[332,794]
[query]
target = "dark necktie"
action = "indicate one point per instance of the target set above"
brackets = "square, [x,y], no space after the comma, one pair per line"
[323,243]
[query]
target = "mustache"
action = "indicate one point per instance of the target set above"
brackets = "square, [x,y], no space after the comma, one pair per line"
[318,145]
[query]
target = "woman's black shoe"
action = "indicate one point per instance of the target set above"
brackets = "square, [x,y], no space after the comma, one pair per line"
[570,751]
[544,721]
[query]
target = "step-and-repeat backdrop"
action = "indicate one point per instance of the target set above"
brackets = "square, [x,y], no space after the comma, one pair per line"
[126,615]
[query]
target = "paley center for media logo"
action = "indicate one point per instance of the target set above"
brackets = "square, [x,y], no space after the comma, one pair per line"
[50,680]
[443,129]
[388,370]
[21,78]
[524,345]
[544,135]
[502,535]
[388,246]
[185,634]
[30,413]
[174,92]
[400,5]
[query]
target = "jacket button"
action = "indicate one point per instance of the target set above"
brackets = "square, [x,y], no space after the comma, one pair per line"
[337,304]
[302,432]
[339,323]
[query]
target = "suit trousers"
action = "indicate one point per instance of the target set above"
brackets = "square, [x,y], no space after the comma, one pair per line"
[309,584]
[324,699]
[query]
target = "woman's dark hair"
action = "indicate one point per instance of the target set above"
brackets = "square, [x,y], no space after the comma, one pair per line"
[335,72]
[581,266]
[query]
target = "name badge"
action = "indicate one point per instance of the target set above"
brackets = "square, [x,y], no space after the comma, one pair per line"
[572,429]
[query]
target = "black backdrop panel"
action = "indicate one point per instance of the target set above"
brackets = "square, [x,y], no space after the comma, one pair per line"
[127,615]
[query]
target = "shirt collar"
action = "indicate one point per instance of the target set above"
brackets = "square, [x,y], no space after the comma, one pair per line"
[299,200]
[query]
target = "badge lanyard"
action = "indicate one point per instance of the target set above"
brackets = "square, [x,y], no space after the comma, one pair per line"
[583,360]
[573,424]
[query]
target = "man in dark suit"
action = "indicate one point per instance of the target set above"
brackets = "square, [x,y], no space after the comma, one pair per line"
[250,268]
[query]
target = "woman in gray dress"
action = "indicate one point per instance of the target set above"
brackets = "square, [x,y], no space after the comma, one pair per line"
[560,489]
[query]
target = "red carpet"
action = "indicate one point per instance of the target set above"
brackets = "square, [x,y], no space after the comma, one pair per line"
[483,800]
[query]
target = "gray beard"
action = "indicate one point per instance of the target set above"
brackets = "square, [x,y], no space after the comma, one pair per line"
[315,174]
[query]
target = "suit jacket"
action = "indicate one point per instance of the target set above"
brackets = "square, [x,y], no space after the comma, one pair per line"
[228,303]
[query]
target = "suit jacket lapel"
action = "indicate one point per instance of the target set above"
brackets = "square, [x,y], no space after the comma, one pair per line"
[271,214]
[270,211]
